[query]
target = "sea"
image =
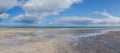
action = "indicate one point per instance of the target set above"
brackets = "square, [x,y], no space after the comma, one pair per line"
[66,31]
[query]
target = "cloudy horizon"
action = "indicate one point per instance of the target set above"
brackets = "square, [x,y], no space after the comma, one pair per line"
[59,12]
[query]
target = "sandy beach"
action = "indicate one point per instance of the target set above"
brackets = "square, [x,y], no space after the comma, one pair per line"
[27,41]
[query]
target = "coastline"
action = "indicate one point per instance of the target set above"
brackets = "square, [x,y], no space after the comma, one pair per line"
[25,41]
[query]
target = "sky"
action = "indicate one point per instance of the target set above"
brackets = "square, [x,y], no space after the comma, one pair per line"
[59,12]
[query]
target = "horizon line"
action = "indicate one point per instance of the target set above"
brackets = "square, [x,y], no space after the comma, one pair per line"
[59,26]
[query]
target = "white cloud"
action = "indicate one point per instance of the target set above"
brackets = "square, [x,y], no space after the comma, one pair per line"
[48,6]
[38,9]
[3,16]
[21,2]
[110,18]
[75,20]
[27,18]
[7,4]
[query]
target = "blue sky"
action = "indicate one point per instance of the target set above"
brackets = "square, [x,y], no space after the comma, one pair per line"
[60,12]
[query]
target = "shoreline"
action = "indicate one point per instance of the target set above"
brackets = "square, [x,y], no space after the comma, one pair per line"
[23,40]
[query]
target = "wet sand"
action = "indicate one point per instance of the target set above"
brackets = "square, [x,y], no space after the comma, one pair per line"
[27,41]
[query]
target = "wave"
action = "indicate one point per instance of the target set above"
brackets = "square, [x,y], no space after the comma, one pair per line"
[71,32]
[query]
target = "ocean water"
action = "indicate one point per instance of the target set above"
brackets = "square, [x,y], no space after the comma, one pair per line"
[71,32]
[62,40]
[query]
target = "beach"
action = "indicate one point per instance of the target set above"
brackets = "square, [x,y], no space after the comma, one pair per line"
[98,40]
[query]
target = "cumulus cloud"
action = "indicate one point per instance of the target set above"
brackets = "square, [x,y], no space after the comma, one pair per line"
[48,6]
[3,16]
[75,20]
[21,2]
[38,9]
[27,18]
[7,4]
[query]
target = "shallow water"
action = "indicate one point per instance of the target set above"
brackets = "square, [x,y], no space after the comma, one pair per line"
[50,40]
[72,32]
